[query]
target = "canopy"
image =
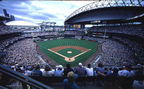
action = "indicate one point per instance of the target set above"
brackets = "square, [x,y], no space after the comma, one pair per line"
[21,23]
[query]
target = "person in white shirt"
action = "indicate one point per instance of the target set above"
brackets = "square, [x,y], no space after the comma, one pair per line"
[59,71]
[28,72]
[47,72]
[126,72]
[126,76]
[89,70]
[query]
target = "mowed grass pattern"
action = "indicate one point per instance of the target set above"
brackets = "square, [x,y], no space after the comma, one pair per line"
[45,45]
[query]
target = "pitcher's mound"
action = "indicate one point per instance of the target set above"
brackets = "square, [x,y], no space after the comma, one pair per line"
[69,51]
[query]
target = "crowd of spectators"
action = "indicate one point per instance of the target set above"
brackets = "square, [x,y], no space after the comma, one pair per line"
[80,70]
[77,33]
[114,52]
[5,43]
[125,29]
[72,73]
[134,46]
[36,34]
[119,48]
[6,29]
[22,52]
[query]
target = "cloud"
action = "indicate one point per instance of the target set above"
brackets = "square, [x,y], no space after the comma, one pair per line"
[25,18]
[38,11]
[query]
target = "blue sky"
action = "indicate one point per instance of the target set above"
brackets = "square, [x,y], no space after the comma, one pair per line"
[38,11]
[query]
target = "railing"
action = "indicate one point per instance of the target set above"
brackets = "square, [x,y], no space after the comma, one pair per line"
[91,81]
[25,80]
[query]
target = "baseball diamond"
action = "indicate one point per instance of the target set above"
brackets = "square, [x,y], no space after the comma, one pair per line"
[71,51]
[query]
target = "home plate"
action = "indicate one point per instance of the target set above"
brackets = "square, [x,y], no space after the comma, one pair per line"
[69,51]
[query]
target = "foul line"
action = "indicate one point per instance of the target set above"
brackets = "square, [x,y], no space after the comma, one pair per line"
[69,59]
[81,53]
[57,53]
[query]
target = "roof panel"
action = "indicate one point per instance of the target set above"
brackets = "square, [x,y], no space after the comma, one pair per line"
[21,23]
[105,3]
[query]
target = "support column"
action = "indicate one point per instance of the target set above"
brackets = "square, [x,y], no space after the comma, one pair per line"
[143,25]
[82,26]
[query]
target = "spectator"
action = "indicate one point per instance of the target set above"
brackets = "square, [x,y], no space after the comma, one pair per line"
[47,72]
[69,83]
[126,76]
[67,69]
[125,72]
[107,72]
[36,71]
[99,71]
[80,70]
[89,70]
[59,71]
[115,72]
[139,71]
[28,72]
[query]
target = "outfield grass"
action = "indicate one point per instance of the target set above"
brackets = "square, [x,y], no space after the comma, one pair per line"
[45,45]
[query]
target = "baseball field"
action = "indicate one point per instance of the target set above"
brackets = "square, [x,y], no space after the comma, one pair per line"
[72,51]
